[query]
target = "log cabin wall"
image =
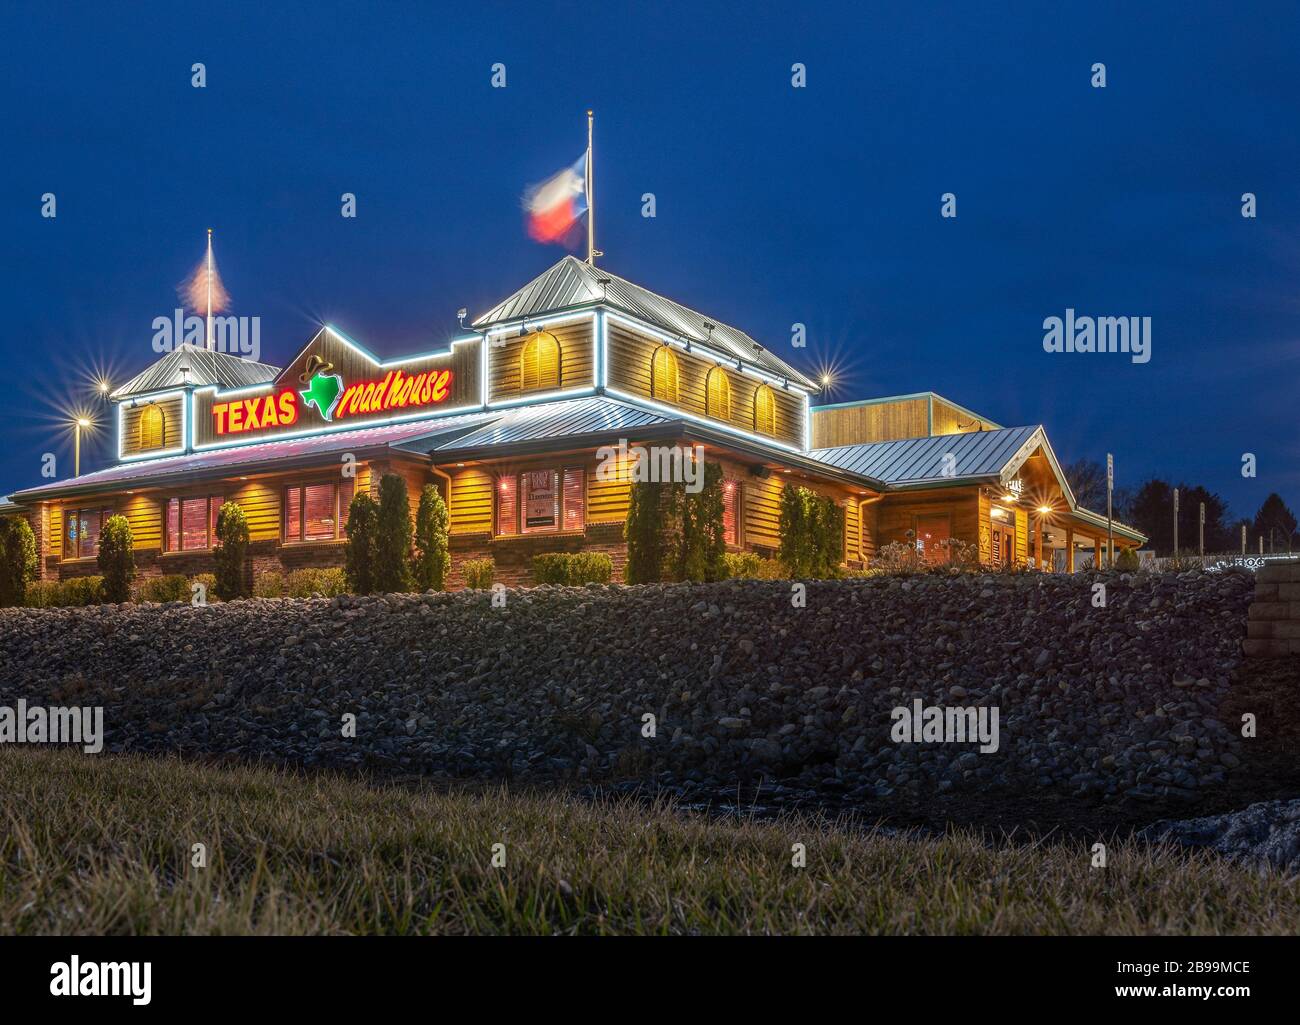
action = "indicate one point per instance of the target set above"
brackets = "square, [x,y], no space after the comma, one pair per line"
[630,353]
[945,418]
[577,366]
[868,422]
[897,514]
[171,409]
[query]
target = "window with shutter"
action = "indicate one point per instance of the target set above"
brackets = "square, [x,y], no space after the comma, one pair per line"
[718,394]
[153,428]
[730,512]
[573,495]
[507,506]
[764,410]
[664,375]
[539,363]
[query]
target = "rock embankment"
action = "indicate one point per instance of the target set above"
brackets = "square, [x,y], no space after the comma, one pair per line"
[1114,701]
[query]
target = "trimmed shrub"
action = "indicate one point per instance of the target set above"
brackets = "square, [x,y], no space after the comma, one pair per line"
[796,533]
[359,551]
[42,594]
[644,532]
[393,536]
[674,535]
[572,569]
[174,587]
[306,583]
[432,557]
[231,552]
[703,541]
[551,568]
[17,560]
[1126,560]
[590,568]
[478,573]
[81,591]
[116,559]
[742,565]
[812,533]
[269,584]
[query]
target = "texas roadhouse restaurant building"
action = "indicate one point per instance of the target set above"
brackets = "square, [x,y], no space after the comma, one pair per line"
[508,422]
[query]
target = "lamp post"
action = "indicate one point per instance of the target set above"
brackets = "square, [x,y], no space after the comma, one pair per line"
[77,425]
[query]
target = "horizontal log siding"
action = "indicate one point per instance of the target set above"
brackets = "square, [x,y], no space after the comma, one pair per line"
[131,424]
[629,370]
[576,368]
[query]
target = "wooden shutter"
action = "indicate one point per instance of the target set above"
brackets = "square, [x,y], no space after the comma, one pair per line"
[718,397]
[539,363]
[153,428]
[664,377]
[764,410]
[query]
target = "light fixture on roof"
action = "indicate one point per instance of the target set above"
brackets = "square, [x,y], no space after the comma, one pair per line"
[785,384]
[461,314]
[739,365]
[709,328]
[604,287]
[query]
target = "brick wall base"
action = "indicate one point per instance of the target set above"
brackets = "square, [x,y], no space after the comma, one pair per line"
[513,556]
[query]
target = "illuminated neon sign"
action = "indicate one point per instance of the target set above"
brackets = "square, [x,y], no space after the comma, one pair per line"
[333,399]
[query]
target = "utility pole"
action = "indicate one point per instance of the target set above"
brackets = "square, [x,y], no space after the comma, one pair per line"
[1175,522]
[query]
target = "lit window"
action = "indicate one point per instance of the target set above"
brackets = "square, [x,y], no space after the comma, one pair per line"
[192,523]
[764,410]
[83,530]
[665,378]
[153,428]
[540,501]
[730,512]
[717,394]
[317,512]
[539,363]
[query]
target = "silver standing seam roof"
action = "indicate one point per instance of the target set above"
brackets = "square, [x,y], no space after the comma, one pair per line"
[573,283]
[206,367]
[551,421]
[921,460]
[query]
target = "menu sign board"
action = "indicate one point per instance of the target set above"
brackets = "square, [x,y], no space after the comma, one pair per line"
[541,499]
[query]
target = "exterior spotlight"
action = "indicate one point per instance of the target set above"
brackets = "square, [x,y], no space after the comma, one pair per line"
[1044,509]
[826,380]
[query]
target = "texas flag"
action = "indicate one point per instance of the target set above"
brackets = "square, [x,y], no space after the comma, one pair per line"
[555,206]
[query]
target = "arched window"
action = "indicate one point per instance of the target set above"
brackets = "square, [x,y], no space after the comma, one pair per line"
[717,394]
[539,363]
[665,379]
[764,410]
[153,428]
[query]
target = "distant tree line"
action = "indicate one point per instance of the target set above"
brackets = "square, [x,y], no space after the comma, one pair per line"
[1150,508]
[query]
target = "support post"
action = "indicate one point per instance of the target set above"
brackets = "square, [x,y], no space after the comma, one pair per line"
[1069,550]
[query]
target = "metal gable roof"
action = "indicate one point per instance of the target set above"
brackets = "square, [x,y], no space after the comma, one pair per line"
[206,367]
[238,458]
[551,421]
[571,282]
[921,460]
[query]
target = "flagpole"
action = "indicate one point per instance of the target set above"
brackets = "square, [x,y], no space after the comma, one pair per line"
[591,205]
[207,337]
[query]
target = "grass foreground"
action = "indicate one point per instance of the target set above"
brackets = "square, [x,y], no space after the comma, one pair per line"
[93,845]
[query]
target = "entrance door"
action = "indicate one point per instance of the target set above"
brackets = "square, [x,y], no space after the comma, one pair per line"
[932,533]
[1002,544]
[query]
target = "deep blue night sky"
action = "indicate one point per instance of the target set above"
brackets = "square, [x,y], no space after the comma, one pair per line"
[775,204]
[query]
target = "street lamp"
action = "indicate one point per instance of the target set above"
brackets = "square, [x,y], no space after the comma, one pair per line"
[79,421]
